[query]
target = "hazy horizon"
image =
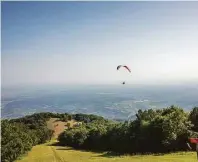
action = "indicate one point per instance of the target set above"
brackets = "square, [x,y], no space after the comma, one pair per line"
[65,43]
[108,101]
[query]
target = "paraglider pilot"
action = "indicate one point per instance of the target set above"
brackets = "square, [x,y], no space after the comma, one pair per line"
[123,66]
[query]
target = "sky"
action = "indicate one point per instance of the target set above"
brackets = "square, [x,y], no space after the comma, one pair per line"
[83,42]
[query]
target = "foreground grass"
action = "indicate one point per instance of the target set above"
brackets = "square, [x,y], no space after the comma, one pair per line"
[49,153]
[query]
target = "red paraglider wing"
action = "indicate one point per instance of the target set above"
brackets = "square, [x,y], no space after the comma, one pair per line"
[127,68]
[119,66]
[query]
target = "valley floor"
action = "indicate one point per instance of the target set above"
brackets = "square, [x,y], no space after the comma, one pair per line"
[49,153]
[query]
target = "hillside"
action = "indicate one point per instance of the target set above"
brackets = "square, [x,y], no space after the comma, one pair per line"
[49,153]
[162,131]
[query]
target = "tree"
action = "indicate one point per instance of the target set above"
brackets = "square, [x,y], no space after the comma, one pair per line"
[193,117]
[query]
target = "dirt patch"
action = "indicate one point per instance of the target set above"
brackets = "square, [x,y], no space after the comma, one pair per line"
[59,126]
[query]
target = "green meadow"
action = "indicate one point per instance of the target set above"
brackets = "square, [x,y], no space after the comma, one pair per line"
[49,153]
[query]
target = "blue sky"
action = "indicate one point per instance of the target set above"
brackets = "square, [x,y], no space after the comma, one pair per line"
[83,42]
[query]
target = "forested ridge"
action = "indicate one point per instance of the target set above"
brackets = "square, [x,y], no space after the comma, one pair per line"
[153,131]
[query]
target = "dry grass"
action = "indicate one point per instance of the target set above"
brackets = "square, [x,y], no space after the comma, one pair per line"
[58,126]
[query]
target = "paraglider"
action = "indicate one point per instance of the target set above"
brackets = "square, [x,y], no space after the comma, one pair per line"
[125,67]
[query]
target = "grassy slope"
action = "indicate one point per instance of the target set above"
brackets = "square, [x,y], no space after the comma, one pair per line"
[49,153]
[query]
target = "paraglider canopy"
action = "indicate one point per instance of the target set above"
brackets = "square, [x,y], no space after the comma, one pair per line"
[124,66]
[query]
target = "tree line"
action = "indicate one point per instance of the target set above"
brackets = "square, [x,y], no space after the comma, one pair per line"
[21,134]
[153,131]
[18,136]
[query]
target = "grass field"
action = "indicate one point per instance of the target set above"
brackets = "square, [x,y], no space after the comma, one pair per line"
[49,153]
